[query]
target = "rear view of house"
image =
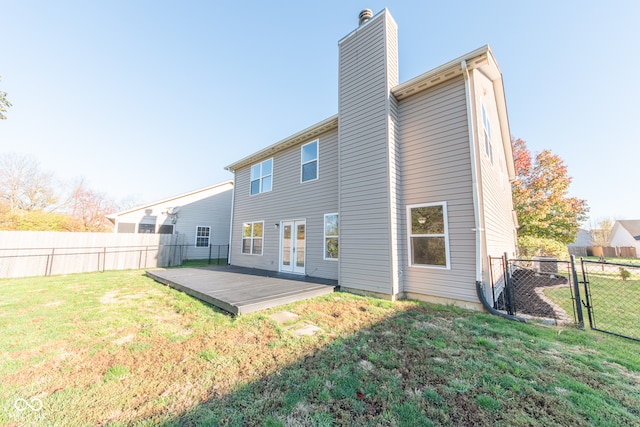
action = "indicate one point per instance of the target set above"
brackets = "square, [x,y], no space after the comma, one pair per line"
[404,193]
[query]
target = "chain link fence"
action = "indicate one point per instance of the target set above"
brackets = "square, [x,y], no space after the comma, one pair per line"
[612,297]
[557,291]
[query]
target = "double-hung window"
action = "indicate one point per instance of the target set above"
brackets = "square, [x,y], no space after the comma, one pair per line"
[252,238]
[428,235]
[202,236]
[331,238]
[486,132]
[261,177]
[309,161]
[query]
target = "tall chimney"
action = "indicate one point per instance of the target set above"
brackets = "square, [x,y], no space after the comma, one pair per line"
[364,16]
[367,153]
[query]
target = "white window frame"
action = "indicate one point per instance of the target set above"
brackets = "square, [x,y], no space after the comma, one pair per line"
[316,159]
[198,236]
[410,235]
[337,237]
[486,133]
[261,176]
[252,238]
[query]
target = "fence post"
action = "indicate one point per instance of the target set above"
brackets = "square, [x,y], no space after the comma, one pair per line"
[210,245]
[493,290]
[508,286]
[576,293]
[53,251]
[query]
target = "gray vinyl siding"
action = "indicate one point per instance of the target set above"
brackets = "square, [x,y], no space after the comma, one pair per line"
[289,199]
[496,190]
[367,71]
[436,167]
[209,208]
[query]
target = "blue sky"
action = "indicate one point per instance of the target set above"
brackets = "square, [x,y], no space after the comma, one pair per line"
[150,99]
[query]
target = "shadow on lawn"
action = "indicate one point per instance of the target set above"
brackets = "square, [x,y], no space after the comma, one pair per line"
[409,369]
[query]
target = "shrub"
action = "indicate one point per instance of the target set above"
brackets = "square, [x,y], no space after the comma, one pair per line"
[529,246]
[624,273]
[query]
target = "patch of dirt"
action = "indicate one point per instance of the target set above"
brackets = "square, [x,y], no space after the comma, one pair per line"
[112,297]
[109,298]
[53,304]
[125,339]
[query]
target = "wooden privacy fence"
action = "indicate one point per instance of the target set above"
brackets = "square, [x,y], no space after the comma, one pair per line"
[605,251]
[39,253]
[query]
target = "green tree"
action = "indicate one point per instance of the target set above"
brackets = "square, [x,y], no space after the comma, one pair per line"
[540,196]
[4,104]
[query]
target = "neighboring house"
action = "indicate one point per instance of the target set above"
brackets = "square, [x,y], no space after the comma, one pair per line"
[583,245]
[583,238]
[202,216]
[404,193]
[626,233]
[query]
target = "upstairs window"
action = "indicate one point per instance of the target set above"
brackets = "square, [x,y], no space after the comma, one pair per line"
[486,134]
[309,155]
[252,238]
[202,236]
[428,235]
[331,237]
[261,177]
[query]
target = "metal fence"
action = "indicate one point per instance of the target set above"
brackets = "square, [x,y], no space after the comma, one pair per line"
[612,297]
[523,286]
[567,292]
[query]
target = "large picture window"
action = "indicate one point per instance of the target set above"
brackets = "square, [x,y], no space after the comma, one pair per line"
[262,177]
[202,236]
[309,161]
[252,238]
[331,237]
[428,235]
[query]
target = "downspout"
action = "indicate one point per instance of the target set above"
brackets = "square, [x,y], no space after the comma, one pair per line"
[233,203]
[474,172]
[476,201]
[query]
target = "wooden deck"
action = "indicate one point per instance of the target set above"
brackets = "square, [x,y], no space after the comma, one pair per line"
[243,290]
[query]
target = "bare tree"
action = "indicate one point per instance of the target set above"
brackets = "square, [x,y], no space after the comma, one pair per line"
[601,231]
[24,186]
[4,104]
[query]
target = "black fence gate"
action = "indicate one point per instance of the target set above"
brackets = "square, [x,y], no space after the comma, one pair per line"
[612,297]
[557,292]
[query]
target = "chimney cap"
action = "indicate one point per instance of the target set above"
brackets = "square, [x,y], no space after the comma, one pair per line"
[364,16]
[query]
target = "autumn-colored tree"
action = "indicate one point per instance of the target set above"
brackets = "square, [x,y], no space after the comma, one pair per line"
[540,196]
[90,208]
[601,231]
[30,200]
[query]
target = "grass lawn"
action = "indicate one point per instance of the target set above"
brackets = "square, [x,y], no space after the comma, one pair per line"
[117,348]
[615,300]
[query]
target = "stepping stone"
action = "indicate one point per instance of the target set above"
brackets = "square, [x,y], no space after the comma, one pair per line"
[306,330]
[284,317]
